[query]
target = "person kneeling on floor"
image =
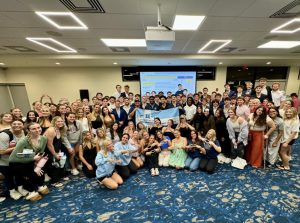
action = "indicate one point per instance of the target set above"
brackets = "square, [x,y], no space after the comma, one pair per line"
[105,162]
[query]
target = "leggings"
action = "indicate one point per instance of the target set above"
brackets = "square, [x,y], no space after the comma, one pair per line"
[152,161]
[125,171]
[25,176]
[208,165]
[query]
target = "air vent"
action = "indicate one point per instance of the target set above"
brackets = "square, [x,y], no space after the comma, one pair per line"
[92,6]
[289,11]
[120,49]
[22,49]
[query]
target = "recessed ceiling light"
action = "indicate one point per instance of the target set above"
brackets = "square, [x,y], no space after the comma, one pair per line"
[268,62]
[280,44]
[219,45]
[59,45]
[220,62]
[280,29]
[2,64]
[48,16]
[124,42]
[115,63]
[57,63]
[185,22]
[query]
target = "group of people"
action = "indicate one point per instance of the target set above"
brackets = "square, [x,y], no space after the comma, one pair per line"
[104,141]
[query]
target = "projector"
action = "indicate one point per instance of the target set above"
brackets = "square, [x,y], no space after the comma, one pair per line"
[159,38]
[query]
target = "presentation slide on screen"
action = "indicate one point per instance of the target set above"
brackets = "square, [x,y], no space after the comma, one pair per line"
[168,81]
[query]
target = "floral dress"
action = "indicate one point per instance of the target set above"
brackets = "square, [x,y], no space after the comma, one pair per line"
[178,155]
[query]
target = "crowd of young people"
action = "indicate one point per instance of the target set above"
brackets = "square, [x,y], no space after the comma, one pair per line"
[103,140]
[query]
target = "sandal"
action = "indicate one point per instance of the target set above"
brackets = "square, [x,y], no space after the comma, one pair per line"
[283,168]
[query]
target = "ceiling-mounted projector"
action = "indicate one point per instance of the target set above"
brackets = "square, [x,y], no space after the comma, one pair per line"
[159,37]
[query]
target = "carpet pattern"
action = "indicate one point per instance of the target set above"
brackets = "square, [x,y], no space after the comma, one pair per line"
[229,195]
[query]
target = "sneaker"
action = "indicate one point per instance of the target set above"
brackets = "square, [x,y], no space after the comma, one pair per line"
[22,191]
[15,194]
[43,190]
[74,172]
[33,196]
[156,171]
[47,178]
[152,171]
[2,199]
[58,185]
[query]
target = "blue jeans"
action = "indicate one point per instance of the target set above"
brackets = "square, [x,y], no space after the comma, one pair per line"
[192,163]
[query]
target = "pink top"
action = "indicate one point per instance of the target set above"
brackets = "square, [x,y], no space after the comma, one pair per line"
[243,111]
[296,103]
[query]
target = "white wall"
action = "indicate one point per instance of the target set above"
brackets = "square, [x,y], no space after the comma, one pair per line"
[293,81]
[66,82]
[2,76]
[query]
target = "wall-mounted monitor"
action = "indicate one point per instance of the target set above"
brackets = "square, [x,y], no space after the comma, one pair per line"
[168,81]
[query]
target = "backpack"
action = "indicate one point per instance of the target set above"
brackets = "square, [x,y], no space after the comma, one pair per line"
[9,133]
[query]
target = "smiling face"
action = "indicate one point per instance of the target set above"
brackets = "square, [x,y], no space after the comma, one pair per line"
[17,125]
[272,113]
[31,116]
[16,112]
[7,118]
[125,139]
[45,111]
[71,118]
[59,123]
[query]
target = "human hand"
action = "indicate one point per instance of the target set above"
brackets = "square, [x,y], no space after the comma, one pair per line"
[38,171]
[90,167]
[274,144]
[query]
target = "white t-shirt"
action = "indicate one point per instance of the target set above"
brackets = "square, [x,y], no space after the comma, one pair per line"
[278,97]
[190,111]
[289,126]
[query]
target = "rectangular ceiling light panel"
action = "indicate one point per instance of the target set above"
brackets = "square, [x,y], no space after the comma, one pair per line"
[184,22]
[124,42]
[50,17]
[294,25]
[280,44]
[218,44]
[52,44]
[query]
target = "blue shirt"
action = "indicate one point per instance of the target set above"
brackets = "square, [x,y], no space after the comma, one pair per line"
[104,167]
[194,153]
[163,144]
[211,153]
[125,158]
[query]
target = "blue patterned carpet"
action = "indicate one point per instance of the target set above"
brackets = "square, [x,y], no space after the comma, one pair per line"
[229,195]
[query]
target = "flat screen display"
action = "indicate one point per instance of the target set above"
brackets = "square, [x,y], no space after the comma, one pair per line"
[168,81]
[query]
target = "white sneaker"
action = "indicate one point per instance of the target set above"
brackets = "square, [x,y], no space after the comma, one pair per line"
[2,199]
[15,194]
[22,191]
[33,196]
[47,178]
[156,171]
[74,172]
[43,190]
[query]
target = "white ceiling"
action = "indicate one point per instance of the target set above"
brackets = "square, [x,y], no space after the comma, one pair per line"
[246,22]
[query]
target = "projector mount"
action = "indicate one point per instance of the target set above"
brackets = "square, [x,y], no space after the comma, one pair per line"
[159,23]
